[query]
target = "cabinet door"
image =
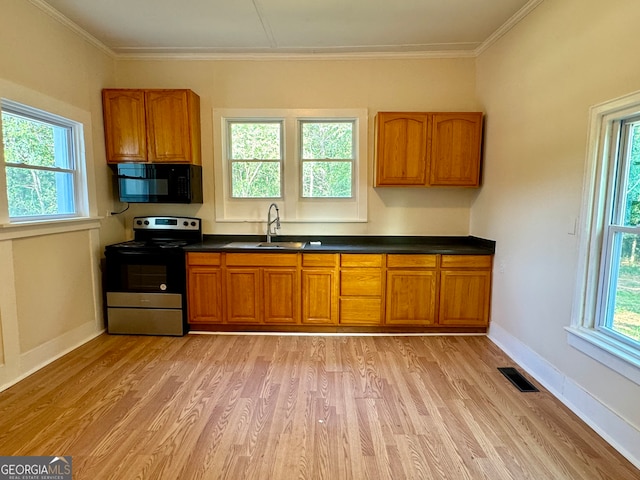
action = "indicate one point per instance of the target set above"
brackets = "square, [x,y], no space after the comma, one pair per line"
[455,149]
[319,296]
[402,145]
[360,310]
[124,125]
[411,297]
[204,294]
[169,126]
[281,295]
[244,303]
[464,297]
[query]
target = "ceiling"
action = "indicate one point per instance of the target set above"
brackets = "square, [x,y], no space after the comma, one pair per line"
[212,27]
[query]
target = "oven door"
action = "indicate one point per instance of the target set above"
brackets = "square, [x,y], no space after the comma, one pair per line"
[145,292]
[145,272]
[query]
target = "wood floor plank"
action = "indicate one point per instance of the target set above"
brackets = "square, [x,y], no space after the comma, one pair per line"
[304,407]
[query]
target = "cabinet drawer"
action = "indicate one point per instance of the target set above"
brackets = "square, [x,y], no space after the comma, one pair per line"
[361,282]
[319,259]
[466,261]
[202,258]
[262,259]
[411,261]
[360,260]
[360,310]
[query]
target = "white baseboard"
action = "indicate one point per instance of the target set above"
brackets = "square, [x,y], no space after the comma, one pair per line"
[33,360]
[620,434]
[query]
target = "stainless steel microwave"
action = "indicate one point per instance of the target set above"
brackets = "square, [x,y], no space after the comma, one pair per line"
[159,183]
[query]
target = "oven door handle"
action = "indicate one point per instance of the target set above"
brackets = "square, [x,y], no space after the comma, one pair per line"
[132,253]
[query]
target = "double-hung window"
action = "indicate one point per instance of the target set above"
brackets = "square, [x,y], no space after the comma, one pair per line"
[255,156]
[41,167]
[619,294]
[327,156]
[312,163]
[606,314]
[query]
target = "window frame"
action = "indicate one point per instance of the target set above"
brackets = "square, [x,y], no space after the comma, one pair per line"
[75,163]
[293,207]
[586,332]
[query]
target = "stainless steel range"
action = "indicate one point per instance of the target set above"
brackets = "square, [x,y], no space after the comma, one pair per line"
[145,281]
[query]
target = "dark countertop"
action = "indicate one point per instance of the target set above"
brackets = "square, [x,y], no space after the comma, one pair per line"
[354,244]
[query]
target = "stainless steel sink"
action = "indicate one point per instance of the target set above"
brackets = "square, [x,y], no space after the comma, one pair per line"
[268,245]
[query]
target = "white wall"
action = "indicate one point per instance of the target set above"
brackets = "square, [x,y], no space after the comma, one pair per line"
[50,288]
[373,84]
[536,86]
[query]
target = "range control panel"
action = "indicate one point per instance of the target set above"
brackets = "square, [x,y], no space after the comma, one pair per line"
[166,223]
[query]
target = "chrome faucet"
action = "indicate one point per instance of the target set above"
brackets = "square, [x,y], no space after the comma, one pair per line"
[271,222]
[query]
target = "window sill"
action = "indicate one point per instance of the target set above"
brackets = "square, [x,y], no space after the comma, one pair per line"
[9,231]
[616,355]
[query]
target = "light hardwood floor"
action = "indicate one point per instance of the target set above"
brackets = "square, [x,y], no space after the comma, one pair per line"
[297,407]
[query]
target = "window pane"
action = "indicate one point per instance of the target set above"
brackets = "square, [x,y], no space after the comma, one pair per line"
[631,198]
[31,142]
[327,140]
[255,141]
[624,312]
[326,179]
[255,179]
[39,192]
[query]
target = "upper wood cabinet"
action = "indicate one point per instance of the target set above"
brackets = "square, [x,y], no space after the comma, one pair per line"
[428,149]
[402,148]
[151,125]
[125,131]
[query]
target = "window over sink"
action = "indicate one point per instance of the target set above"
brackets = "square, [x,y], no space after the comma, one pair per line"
[313,163]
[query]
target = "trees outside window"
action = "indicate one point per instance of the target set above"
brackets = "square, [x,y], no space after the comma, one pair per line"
[256,159]
[327,158]
[40,163]
[311,162]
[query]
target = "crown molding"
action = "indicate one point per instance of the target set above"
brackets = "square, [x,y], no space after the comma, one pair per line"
[284,56]
[56,15]
[508,25]
[306,55]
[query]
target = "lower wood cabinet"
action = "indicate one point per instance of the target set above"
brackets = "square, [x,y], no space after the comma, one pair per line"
[339,290]
[244,299]
[281,290]
[411,290]
[465,290]
[204,288]
[262,288]
[320,288]
[361,289]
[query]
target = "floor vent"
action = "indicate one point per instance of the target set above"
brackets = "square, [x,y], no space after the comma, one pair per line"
[517,379]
